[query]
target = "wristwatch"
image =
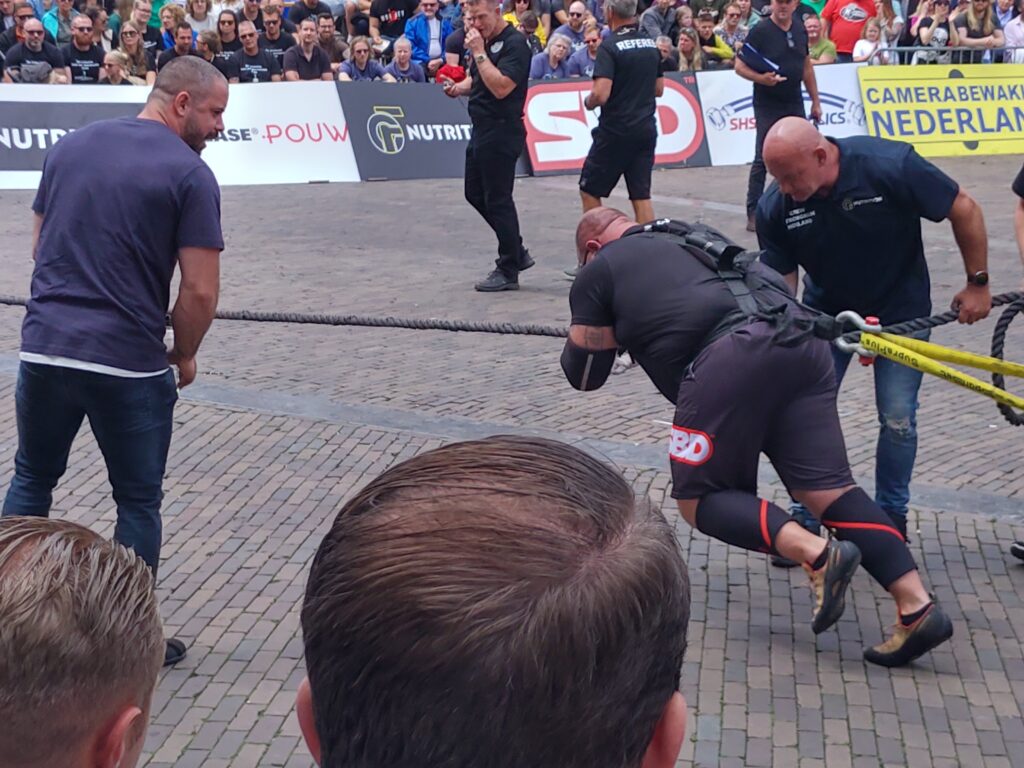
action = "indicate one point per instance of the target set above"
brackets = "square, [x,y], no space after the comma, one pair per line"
[978,278]
[480,58]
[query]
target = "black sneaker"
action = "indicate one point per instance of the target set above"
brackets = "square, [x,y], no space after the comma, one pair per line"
[908,643]
[1017,549]
[525,260]
[830,582]
[174,651]
[497,281]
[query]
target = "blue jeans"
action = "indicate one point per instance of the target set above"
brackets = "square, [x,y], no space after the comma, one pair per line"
[896,388]
[132,422]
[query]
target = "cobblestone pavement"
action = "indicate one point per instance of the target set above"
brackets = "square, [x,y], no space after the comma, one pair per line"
[286,422]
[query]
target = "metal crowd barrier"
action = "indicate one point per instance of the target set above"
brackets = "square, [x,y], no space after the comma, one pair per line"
[923,54]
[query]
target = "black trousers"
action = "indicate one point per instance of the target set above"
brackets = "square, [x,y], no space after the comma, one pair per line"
[765,117]
[491,157]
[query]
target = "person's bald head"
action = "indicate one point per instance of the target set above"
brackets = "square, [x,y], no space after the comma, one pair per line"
[190,96]
[598,227]
[802,161]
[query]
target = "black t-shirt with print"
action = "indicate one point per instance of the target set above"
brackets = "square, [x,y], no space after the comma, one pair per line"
[85,65]
[392,15]
[256,69]
[632,62]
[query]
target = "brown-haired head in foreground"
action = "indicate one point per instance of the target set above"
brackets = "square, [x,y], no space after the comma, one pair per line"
[506,603]
[80,646]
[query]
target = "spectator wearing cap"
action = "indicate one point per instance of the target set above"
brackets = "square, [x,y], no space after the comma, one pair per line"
[57,20]
[402,68]
[307,60]
[427,33]
[332,41]
[83,59]
[82,645]
[659,19]
[361,66]
[581,63]
[573,28]
[35,60]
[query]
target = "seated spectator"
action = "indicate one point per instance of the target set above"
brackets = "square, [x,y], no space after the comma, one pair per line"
[16,34]
[455,52]
[402,68]
[274,40]
[1005,11]
[659,19]
[669,60]
[227,30]
[513,14]
[115,69]
[182,45]
[101,35]
[152,38]
[307,60]
[531,27]
[496,604]
[581,63]
[748,16]
[552,63]
[820,49]
[171,16]
[35,60]
[1013,33]
[717,55]
[208,47]
[427,33]
[730,30]
[83,59]
[596,10]
[286,23]
[251,11]
[199,17]
[332,41]
[714,7]
[573,28]
[121,13]
[361,66]
[254,64]
[141,62]
[304,9]
[869,47]
[82,645]
[357,18]
[978,28]
[691,57]
[684,17]
[933,31]
[57,20]
[387,21]
[6,14]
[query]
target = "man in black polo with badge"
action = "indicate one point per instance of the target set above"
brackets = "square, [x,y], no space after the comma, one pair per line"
[774,58]
[496,87]
[849,212]
[627,80]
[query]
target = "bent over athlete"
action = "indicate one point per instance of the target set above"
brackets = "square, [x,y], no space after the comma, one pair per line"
[744,382]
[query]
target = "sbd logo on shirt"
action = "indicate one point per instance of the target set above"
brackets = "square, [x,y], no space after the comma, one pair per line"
[689,446]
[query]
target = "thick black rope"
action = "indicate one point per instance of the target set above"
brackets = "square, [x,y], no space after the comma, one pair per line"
[998,341]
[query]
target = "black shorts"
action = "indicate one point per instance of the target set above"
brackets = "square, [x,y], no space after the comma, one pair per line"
[745,395]
[612,156]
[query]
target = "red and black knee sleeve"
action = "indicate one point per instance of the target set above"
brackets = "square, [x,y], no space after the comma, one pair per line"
[884,554]
[741,519]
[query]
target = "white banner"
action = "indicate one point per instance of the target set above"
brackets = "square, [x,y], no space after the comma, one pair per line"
[727,101]
[275,133]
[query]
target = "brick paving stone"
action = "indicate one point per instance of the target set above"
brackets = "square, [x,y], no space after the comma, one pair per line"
[266,449]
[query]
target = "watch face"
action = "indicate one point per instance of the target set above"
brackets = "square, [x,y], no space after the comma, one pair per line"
[979,278]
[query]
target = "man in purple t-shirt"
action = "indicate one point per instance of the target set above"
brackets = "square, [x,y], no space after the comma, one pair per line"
[92,342]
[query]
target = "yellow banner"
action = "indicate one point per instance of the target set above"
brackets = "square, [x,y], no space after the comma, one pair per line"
[968,109]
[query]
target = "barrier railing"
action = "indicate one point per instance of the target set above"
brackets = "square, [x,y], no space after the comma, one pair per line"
[961,54]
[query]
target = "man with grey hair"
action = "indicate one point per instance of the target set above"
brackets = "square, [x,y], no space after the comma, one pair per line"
[81,645]
[92,342]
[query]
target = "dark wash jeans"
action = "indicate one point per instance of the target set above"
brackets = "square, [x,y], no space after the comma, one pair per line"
[132,422]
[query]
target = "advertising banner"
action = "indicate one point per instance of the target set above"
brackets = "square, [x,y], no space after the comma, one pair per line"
[558,126]
[967,109]
[727,100]
[405,131]
[275,133]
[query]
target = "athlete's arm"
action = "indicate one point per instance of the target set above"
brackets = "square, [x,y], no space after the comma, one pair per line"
[37,226]
[195,307]
[975,301]
[811,84]
[599,93]
[588,356]
[659,87]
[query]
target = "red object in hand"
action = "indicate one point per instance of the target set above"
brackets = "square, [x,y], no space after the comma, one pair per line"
[876,323]
[454,73]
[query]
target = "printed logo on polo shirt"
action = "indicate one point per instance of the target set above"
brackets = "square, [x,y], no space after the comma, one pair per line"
[496,48]
[389,132]
[689,446]
[799,217]
[853,13]
[849,203]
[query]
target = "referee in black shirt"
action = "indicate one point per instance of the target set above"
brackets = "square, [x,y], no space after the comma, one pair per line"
[781,40]
[627,80]
[497,94]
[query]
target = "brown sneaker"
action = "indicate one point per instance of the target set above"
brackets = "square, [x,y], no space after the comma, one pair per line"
[908,643]
[829,583]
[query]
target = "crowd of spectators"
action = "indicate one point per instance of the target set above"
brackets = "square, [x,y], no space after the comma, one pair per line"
[72,41]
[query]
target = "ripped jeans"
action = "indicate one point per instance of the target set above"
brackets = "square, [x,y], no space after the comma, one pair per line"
[896,388]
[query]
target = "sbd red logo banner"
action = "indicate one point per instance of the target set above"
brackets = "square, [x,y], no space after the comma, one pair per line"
[558,126]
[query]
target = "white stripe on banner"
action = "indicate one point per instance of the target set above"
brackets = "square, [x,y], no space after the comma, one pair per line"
[727,102]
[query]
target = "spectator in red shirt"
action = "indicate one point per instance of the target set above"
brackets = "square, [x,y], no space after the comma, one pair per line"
[844,20]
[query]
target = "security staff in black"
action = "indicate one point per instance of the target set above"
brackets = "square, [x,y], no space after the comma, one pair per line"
[723,339]
[497,94]
[627,80]
[780,40]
